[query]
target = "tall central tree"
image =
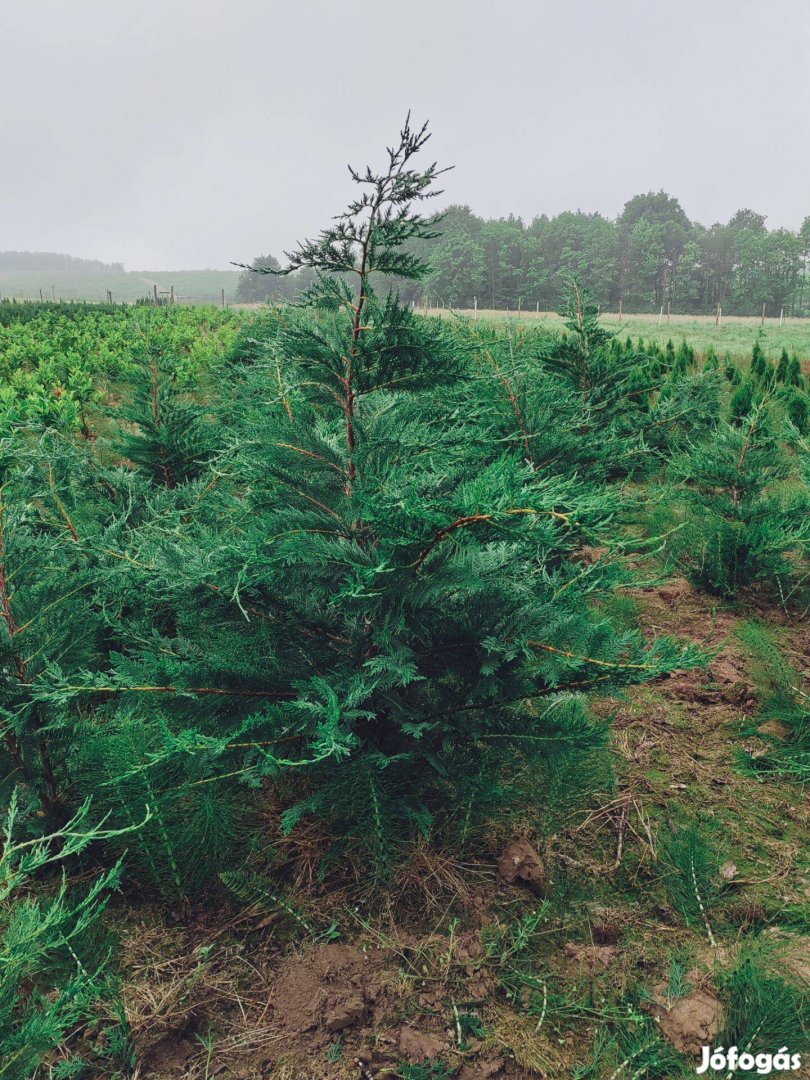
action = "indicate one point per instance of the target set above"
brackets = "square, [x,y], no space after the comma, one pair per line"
[376,600]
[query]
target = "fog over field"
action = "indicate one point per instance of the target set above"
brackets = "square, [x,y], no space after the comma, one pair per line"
[170,134]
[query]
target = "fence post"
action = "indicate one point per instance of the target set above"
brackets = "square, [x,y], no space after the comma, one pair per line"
[669,307]
[781,316]
[475,309]
[661,315]
[154,290]
[171,294]
[762,321]
[223,298]
[621,302]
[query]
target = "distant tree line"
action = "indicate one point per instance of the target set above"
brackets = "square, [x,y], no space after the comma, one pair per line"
[51,260]
[651,256]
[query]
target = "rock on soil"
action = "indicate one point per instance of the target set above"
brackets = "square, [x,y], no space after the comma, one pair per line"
[482,1070]
[520,862]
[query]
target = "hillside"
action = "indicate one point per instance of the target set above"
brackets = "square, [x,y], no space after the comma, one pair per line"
[125,286]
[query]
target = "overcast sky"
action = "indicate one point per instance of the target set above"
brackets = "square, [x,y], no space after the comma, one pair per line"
[173,134]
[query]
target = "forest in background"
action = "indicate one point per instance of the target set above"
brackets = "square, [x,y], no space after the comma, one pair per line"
[651,256]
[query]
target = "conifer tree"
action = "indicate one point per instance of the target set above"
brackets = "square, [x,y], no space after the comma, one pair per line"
[160,429]
[633,409]
[42,572]
[794,373]
[742,522]
[381,609]
[782,367]
[759,362]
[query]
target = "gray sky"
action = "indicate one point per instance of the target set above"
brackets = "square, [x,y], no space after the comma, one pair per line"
[172,134]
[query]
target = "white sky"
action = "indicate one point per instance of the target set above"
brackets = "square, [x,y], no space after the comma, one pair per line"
[172,134]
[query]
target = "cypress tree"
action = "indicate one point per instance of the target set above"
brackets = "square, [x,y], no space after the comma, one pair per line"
[782,367]
[759,363]
[794,375]
[743,523]
[377,602]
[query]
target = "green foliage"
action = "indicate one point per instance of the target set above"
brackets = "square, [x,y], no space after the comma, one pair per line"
[376,600]
[252,891]
[346,579]
[743,524]
[764,1012]
[50,986]
[693,881]
[678,984]
[798,412]
[57,360]
[783,702]
[162,431]
[742,402]
[794,375]
[634,1048]
[427,1070]
[782,367]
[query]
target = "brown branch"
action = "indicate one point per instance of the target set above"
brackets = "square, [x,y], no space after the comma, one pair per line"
[589,659]
[284,401]
[60,505]
[317,457]
[515,404]
[472,519]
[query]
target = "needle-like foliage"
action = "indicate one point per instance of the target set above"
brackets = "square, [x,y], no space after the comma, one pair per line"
[744,524]
[377,604]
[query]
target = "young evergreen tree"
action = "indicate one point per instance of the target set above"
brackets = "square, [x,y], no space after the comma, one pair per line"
[794,373]
[161,429]
[742,522]
[382,609]
[782,367]
[635,408]
[42,573]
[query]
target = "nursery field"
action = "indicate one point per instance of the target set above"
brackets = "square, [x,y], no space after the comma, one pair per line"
[735,334]
[392,696]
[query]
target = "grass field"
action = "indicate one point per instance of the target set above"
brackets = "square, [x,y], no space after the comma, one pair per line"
[126,287]
[735,335]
